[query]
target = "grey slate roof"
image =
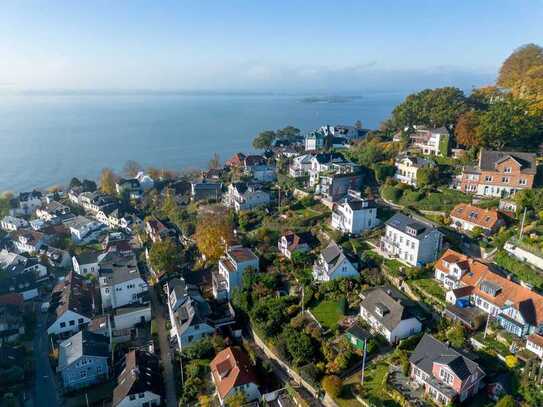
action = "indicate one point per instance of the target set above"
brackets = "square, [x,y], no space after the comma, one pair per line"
[412,227]
[88,257]
[430,350]
[394,306]
[333,255]
[83,343]
[488,160]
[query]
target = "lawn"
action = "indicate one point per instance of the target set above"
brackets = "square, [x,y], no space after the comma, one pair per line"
[430,286]
[327,313]
[374,389]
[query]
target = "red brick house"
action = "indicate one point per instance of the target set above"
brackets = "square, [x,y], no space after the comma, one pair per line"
[499,173]
[446,375]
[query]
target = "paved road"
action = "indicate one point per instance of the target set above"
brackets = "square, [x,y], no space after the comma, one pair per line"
[46,391]
[165,353]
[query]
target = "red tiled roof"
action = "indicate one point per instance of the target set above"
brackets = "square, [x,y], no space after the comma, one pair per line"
[231,368]
[485,218]
[537,339]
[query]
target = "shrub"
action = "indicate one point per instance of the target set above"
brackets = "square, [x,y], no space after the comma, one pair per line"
[332,385]
[391,193]
[511,361]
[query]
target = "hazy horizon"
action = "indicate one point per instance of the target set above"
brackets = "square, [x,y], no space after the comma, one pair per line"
[265,47]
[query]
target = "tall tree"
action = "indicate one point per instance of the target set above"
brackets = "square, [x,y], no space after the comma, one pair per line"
[288,133]
[165,256]
[213,233]
[508,122]
[107,181]
[264,139]
[466,129]
[431,107]
[75,182]
[131,168]
[514,70]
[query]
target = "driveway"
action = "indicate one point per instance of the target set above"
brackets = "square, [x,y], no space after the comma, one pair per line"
[45,386]
[165,352]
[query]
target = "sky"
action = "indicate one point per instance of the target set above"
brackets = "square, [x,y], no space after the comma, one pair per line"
[249,45]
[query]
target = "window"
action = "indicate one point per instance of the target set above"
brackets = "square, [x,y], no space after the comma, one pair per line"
[507,170]
[488,178]
[445,376]
[505,180]
[522,181]
[80,321]
[132,397]
[83,374]
[141,395]
[63,324]
[72,322]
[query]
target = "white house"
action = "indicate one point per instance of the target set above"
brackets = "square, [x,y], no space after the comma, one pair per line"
[232,371]
[300,165]
[129,316]
[139,383]
[407,167]
[355,215]
[27,203]
[328,162]
[74,303]
[411,241]
[242,196]
[87,263]
[333,264]
[231,268]
[120,281]
[28,240]
[189,313]
[11,223]
[262,173]
[524,253]
[534,343]
[81,227]
[146,182]
[290,243]
[389,313]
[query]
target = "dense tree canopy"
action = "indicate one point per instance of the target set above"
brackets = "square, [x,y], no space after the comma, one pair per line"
[288,133]
[508,123]
[264,139]
[213,233]
[521,71]
[165,256]
[431,107]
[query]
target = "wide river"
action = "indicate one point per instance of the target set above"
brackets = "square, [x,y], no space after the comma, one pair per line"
[47,139]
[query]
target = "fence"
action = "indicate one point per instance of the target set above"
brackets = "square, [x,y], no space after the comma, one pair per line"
[327,401]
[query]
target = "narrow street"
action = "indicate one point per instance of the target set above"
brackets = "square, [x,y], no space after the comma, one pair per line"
[46,389]
[165,353]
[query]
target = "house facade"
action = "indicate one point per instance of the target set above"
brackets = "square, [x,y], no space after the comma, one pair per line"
[516,308]
[139,382]
[231,268]
[354,215]
[242,196]
[300,166]
[232,371]
[389,313]
[445,375]
[290,243]
[83,360]
[74,302]
[411,241]
[333,264]
[189,313]
[407,167]
[499,173]
[534,343]
[11,223]
[466,217]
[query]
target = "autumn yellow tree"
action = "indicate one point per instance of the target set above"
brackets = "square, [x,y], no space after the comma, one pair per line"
[213,233]
[107,181]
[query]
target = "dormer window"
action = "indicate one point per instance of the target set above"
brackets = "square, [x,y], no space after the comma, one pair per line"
[381,310]
[490,288]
